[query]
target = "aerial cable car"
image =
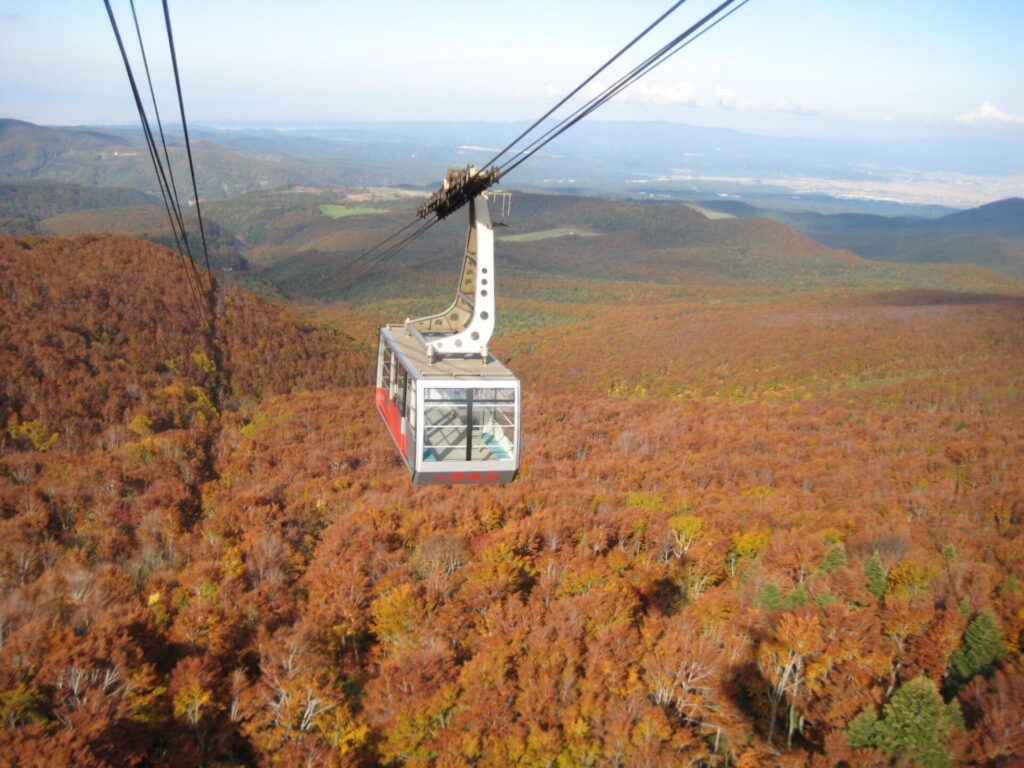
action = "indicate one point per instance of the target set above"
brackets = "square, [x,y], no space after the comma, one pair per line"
[451,408]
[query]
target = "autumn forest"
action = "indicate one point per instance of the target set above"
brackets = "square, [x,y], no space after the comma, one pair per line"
[754,525]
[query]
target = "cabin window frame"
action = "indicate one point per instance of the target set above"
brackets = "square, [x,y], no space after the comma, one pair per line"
[457,422]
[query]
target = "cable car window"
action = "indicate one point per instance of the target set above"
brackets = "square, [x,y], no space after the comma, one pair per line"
[459,395]
[411,403]
[494,430]
[481,395]
[445,429]
[401,387]
[469,424]
[386,364]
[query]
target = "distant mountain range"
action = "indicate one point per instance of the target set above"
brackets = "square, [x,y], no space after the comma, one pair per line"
[653,159]
[266,193]
[991,235]
[118,158]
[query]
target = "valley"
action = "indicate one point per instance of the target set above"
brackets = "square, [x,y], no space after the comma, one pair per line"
[772,487]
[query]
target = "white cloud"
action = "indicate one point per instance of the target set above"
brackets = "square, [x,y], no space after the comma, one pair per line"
[727,99]
[989,114]
[643,93]
[554,92]
[795,108]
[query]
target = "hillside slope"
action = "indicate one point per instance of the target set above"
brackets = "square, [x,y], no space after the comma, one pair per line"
[151,222]
[42,199]
[1002,255]
[118,158]
[1002,218]
[209,553]
[991,235]
[588,239]
[95,328]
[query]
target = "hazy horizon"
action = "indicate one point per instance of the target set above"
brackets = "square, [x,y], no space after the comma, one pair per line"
[773,68]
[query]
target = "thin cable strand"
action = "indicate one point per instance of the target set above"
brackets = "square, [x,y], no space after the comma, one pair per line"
[582,85]
[670,49]
[188,150]
[151,145]
[191,271]
[656,59]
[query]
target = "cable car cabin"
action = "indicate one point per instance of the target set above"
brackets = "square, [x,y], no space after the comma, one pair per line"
[454,420]
[451,409]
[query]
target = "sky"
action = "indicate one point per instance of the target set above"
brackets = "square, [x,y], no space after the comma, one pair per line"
[821,68]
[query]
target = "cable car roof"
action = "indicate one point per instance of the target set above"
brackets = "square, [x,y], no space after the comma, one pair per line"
[416,361]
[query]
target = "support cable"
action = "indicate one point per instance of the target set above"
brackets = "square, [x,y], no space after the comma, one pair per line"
[662,55]
[153,153]
[667,51]
[385,256]
[366,255]
[582,85]
[188,150]
[170,196]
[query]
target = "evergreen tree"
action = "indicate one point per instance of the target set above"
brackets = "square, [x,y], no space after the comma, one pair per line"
[860,732]
[797,597]
[916,725]
[874,572]
[834,559]
[1010,586]
[981,650]
[824,598]
[770,597]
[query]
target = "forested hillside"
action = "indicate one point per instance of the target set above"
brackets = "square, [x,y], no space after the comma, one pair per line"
[152,223]
[111,157]
[299,241]
[573,240]
[787,532]
[38,200]
[990,235]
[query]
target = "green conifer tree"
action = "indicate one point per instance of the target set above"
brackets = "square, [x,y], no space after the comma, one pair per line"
[982,648]
[770,597]
[824,598]
[860,731]
[797,597]
[1011,586]
[834,559]
[874,572]
[916,725]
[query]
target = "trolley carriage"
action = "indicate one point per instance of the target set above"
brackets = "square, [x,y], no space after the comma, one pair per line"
[453,421]
[453,410]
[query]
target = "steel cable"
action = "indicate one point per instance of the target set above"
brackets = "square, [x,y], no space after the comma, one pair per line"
[155,158]
[667,51]
[170,197]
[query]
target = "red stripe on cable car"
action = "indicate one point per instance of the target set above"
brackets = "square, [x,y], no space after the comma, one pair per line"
[393,419]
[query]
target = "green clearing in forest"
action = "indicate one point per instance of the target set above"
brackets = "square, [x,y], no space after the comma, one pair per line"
[547,234]
[340,211]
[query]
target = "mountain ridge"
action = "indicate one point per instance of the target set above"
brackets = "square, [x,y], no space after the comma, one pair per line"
[597,157]
[990,235]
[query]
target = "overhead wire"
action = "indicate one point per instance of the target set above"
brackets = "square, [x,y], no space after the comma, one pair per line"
[667,51]
[170,203]
[170,197]
[365,256]
[377,262]
[188,148]
[584,84]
